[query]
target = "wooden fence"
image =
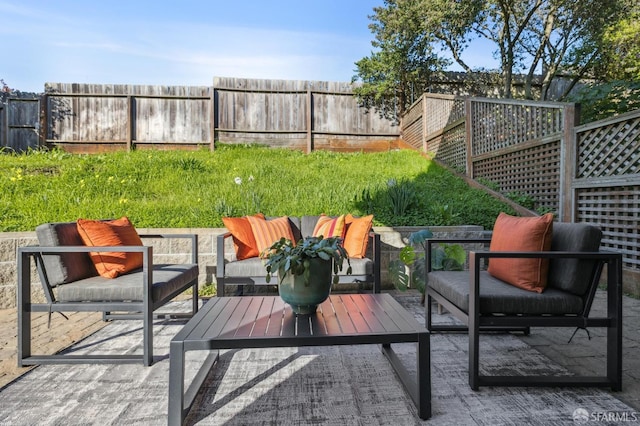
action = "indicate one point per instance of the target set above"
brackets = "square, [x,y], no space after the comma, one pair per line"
[305,115]
[19,121]
[302,115]
[589,173]
[101,117]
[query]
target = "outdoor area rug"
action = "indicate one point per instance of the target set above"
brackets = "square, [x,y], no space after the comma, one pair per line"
[334,385]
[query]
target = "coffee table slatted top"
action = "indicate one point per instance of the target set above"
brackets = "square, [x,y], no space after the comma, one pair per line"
[267,321]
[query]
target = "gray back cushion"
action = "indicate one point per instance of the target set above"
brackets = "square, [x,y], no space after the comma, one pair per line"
[65,267]
[573,275]
[308,225]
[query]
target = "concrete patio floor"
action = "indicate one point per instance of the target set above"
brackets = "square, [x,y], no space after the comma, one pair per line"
[582,355]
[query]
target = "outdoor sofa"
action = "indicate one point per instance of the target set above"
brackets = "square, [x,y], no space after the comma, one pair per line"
[250,270]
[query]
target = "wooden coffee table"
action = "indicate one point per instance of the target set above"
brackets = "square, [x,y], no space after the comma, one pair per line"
[266,321]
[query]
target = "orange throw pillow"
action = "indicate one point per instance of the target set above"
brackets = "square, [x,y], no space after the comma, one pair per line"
[356,237]
[267,232]
[329,227]
[242,234]
[119,232]
[521,234]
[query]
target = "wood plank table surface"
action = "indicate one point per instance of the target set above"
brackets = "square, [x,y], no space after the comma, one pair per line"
[267,321]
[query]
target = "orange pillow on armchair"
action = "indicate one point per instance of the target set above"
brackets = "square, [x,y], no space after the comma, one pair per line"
[526,234]
[106,233]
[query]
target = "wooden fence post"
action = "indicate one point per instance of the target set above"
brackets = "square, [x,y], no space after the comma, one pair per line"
[425,147]
[5,124]
[44,120]
[568,158]
[212,119]
[309,120]
[468,137]
[130,125]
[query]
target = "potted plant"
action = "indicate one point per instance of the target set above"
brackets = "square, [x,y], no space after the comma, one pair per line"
[409,272]
[304,269]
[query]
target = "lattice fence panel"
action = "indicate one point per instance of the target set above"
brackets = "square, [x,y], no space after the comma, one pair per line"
[413,135]
[611,150]
[442,111]
[616,210]
[412,132]
[451,148]
[534,171]
[497,126]
[414,112]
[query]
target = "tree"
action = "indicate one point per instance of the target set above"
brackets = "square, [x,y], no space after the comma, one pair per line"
[531,37]
[400,68]
[547,37]
[4,87]
[615,76]
[620,51]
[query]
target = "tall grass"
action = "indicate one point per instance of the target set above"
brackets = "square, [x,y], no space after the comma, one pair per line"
[196,189]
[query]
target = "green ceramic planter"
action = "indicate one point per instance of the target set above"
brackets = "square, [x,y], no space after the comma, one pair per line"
[305,296]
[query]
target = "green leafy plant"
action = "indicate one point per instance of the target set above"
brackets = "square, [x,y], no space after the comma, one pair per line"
[365,201]
[443,215]
[525,200]
[409,270]
[285,257]
[401,195]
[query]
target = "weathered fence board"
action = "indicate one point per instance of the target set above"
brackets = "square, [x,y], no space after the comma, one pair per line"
[19,122]
[99,117]
[298,114]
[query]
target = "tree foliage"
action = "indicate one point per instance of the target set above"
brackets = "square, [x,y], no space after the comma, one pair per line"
[538,39]
[546,37]
[399,69]
[620,54]
[615,84]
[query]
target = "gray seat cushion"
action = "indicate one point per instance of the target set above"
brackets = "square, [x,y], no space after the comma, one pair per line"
[573,275]
[167,279]
[65,267]
[254,267]
[499,297]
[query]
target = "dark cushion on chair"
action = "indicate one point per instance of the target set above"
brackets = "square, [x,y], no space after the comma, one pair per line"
[65,267]
[167,279]
[573,275]
[499,297]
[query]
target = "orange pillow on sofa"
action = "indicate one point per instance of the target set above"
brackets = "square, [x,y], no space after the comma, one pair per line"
[356,237]
[119,232]
[329,226]
[267,232]
[526,234]
[242,234]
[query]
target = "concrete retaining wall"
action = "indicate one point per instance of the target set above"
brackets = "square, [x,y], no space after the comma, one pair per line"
[172,251]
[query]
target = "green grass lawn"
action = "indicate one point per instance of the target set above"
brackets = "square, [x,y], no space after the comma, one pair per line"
[179,189]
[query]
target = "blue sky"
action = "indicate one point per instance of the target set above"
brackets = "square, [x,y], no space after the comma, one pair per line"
[186,42]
